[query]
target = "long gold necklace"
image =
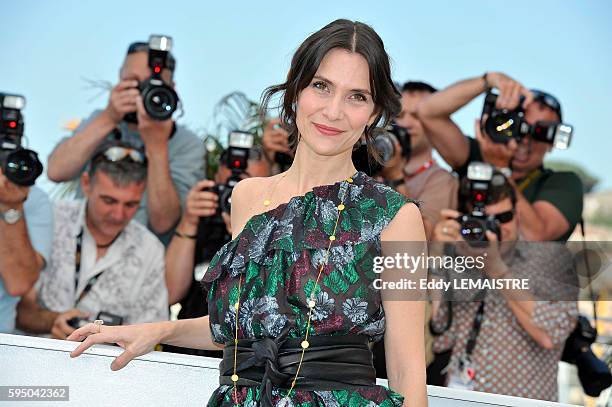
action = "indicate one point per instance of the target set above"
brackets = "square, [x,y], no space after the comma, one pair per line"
[311,301]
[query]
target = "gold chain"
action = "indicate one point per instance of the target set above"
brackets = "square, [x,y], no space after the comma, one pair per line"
[311,303]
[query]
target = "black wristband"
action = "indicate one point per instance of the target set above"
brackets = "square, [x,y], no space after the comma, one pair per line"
[486,82]
[179,234]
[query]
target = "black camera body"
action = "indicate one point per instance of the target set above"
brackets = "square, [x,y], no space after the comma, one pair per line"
[384,144]
[20,165]
[594,374]
[475,224]
[503,125]
[236,158]
[108,318]
[160,100]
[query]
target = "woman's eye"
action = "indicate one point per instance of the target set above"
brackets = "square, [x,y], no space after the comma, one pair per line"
[360,97]
[319,85]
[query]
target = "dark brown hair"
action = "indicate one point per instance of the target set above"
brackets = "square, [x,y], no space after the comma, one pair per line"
[352,36]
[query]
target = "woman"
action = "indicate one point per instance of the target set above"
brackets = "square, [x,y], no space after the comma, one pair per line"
[291,295]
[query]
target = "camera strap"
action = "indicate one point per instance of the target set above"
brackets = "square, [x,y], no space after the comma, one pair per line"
[478,318]
[588,269]
[77,270]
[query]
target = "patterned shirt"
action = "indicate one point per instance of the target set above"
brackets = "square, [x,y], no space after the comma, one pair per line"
[132,284]
[507,360]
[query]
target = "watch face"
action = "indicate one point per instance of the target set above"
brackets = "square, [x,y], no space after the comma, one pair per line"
[12,216]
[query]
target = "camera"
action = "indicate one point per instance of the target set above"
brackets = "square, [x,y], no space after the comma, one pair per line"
[236,158]
[20,165]
[593,373]
[480,176]
[384,144]
[107,317]
[503,125]
[160,100]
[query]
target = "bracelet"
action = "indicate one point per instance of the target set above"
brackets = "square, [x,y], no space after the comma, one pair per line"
[486,82]
[185,236]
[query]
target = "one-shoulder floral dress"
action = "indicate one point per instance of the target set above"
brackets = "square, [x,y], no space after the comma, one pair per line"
[278,254]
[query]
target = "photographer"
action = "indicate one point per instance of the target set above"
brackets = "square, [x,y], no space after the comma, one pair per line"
[549,203]
[175,154]
[204,228]
[419,176]
[26,231]
[26,221]
[103,264]
[508,342]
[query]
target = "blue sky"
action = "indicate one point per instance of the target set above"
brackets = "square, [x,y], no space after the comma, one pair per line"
[49,47]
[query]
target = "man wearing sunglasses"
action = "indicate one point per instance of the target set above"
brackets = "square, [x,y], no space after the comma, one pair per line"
[512,345]
[102,260]
[549,204]
[175,154]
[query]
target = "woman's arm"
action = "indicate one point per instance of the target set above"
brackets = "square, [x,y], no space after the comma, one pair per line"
[189,333]
[138,340]
[405,318]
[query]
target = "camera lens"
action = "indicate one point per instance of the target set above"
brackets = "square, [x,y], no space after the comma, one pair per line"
[502,126]
[383,143]
[160,101]
[225,199]
[472,230]
[22,167]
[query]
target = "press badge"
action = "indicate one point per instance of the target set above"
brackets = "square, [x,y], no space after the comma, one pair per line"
[464,376]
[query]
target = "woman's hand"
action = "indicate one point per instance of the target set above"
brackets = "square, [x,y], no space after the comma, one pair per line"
[137,340]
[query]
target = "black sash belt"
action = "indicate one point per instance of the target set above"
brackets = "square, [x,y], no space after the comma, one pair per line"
[330,363]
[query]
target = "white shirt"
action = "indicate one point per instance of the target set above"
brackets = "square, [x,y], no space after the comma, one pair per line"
[132,284]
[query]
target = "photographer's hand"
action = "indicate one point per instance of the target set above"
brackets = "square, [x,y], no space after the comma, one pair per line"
[11,195]
[122,100]
[199,203]
[498,154]
[510,91]
[154,133]
[60,328]
[275,139]
[447,229]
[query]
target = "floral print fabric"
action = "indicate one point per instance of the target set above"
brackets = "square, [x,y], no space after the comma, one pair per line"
[279,253]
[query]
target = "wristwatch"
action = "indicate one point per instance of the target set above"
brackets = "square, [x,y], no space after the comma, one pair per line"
[11,216]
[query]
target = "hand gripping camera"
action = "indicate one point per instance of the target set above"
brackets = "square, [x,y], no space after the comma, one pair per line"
[160,100]
[20,165]
[236,159]
[474,225]
[503,125]
[384,144]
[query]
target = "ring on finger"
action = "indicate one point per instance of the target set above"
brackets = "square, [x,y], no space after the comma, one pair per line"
[97,323]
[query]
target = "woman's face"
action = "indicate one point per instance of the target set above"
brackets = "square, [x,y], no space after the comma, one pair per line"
[333,110]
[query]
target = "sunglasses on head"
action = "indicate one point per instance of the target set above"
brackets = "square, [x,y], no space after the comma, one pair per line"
[548,100]
[118,153]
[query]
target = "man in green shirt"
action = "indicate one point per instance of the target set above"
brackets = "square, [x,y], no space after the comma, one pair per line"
[549,203]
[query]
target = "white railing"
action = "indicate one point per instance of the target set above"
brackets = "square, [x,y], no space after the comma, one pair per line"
[156,379]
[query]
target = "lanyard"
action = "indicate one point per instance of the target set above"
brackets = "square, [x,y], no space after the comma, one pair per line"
[471,343]
[422,168]
[529,179]
[77,269]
